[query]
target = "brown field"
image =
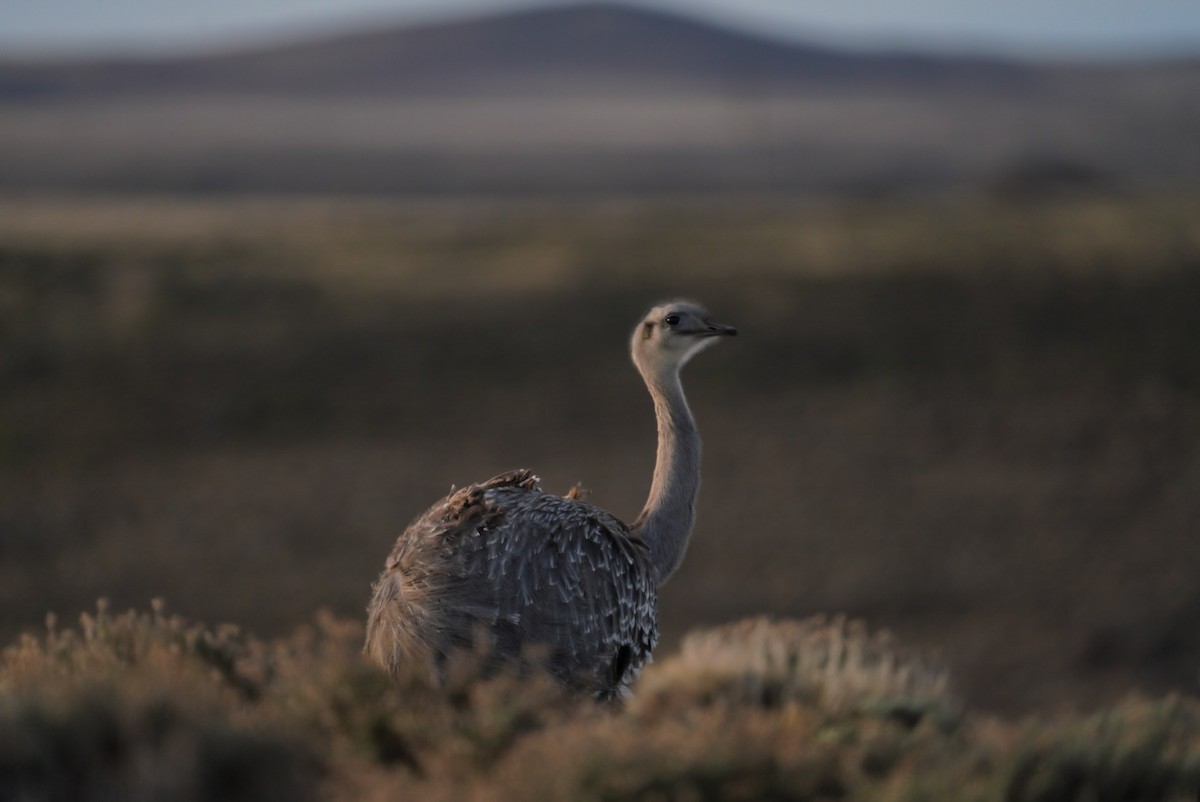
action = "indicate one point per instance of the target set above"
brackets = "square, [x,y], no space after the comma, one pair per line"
[1114,133]
[976,424]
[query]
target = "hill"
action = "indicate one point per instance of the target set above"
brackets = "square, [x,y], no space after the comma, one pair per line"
[596,99]
[601,44]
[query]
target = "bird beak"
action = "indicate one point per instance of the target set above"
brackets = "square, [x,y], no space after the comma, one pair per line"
[718,330]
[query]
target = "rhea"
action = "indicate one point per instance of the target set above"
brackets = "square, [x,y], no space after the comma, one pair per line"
[531,571]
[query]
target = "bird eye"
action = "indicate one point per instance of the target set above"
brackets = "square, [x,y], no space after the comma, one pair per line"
[671,320]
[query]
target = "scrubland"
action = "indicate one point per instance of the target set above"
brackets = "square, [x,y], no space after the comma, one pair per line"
[973,422]
[148,706]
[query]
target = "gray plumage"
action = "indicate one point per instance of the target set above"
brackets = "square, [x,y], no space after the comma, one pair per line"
[527,569]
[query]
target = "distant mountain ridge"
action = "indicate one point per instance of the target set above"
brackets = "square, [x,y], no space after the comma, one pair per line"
[606,45]
[589,100]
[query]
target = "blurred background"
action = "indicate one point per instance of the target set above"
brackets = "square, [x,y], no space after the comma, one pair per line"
[273,276]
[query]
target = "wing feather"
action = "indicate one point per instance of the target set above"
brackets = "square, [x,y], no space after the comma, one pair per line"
[533,569]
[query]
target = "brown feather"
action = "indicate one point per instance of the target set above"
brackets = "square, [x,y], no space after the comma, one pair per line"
[534,569]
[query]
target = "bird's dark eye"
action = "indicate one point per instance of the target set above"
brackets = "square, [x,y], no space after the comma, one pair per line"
[671,320]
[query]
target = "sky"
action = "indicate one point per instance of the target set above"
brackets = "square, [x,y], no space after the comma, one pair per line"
[1092,28]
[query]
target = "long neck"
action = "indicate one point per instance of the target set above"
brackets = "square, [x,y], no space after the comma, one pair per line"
[665,523]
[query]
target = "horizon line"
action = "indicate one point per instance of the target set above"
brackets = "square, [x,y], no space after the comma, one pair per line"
[241,38]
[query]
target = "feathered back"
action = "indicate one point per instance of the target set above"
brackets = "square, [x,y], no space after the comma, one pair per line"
[528,568]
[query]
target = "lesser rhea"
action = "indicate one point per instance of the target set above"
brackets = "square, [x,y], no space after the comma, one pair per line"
[524,567]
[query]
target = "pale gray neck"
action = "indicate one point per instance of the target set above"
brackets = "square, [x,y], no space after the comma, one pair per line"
[665,523]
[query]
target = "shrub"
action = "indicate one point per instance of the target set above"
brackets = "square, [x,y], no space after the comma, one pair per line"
[837,665]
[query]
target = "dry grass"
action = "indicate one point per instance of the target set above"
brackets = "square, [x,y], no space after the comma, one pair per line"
[149,706]
[835,665]
[976,424]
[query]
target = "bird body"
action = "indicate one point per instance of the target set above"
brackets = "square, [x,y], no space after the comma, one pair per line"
[528,569]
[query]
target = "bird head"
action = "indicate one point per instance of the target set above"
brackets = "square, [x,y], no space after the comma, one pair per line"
[671,333]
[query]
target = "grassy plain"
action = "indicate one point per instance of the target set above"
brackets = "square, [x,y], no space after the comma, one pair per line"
[975,423]
[1125,128]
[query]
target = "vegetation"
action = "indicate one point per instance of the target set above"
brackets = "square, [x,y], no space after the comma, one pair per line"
[149,706]
[974,423]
